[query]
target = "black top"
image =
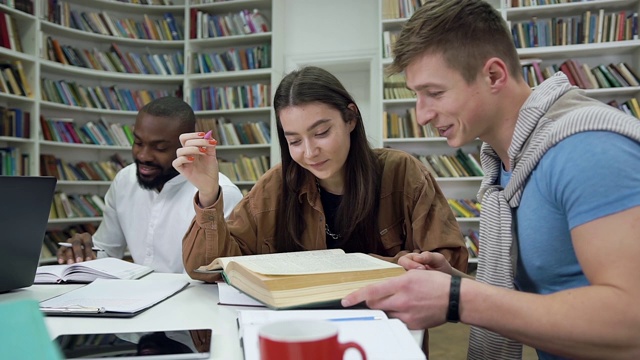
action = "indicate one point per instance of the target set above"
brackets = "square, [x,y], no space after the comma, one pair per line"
[330,203]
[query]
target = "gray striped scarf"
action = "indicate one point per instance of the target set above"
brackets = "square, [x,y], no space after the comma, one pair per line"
[553,112]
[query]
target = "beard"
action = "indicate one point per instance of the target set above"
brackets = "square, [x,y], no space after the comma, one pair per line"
[157,181]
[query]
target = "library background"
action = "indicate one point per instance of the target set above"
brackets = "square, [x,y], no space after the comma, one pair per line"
[73,74]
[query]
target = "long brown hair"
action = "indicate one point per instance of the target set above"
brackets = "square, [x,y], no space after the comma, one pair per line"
[356,217]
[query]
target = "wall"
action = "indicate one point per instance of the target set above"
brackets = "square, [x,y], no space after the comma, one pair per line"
[340,36]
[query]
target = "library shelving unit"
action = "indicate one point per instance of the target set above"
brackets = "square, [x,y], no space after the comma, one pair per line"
[108,92]
[606,34]
[230,77]
[612,39]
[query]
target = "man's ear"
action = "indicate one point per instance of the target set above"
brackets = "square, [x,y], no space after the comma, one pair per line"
[496,72]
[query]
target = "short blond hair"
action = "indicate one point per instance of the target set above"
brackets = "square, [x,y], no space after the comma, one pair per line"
[466,32]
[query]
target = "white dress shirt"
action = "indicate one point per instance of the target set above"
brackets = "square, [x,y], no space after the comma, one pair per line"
[151,224]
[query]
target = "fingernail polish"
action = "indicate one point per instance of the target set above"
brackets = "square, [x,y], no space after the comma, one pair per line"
[202,149]
[190,158]
[200,134]
[213,142]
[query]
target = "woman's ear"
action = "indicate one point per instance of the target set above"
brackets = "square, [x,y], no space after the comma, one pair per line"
[356,116]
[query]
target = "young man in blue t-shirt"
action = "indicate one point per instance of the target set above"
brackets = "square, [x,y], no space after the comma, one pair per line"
[560,222]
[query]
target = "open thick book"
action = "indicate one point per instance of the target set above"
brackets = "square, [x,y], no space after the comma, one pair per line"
[302,279]
[85,272]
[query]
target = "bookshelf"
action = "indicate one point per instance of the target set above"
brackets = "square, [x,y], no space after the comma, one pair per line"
[610,38]
[109,59]
[600,47]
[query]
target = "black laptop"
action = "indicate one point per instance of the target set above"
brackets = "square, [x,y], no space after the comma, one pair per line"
[25,202]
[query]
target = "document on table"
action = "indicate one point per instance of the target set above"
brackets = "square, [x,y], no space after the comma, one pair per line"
[381,337]
[112,298]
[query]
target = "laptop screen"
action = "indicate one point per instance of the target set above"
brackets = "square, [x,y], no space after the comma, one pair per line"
[25,202]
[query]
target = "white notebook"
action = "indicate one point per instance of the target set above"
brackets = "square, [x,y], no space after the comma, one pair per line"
[381,337]
[112,298]
[85,272]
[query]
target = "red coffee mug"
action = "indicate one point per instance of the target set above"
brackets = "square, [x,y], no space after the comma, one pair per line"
[303,339]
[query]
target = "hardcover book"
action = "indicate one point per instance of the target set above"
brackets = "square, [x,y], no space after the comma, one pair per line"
[302,279]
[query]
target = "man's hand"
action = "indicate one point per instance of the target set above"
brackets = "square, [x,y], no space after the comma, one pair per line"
[418,298]
[80,250]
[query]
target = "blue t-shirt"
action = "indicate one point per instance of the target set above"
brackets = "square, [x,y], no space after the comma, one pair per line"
[587,176]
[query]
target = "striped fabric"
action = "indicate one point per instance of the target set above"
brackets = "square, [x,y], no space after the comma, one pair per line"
[553,112]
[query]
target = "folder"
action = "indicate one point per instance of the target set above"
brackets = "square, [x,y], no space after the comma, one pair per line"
[103,298]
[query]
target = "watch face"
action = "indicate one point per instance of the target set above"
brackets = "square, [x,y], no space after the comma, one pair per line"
[171,344]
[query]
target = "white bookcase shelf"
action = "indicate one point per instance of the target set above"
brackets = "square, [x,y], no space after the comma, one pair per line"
[34,29]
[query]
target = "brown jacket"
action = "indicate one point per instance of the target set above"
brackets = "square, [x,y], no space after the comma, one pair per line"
[414,216]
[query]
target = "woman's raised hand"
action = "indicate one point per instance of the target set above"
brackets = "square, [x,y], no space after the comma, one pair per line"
[196,161]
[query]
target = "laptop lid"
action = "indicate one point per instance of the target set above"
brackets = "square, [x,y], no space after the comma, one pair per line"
[25,202]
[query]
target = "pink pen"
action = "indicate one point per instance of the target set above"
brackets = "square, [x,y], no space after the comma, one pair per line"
[207,136]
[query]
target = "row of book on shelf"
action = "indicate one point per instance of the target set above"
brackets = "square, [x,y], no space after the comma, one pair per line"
[460,164]
[472,240]
[99,97]
[395,87]
[244,168]
[15,122]
[54,236]
[588,28]
[21,5]
[13,79]
[255,57]
[465,208]
[161,29]
[230,133]
[14,162]
[116,60]
[93,133]
[231,97]
[582,75]
[400,9]
[406,126]
[244,22]
[66,206]
[82,170]
[525,3]
[9,35]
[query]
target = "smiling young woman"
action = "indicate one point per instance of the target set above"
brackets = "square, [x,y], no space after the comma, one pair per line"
[331,189]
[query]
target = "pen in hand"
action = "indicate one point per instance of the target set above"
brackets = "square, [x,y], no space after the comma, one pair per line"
[66,244]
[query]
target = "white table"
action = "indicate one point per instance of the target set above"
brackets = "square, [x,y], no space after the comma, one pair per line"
[195,307]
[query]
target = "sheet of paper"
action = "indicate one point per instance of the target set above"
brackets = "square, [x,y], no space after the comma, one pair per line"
[228,295]
[128,296]
[381,339]
[258,317]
